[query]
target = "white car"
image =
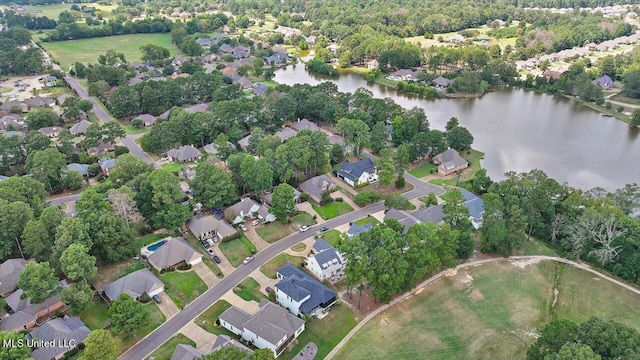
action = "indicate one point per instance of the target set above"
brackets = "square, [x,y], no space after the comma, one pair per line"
[255,223]
[247,259]
[305,228]
[244,228]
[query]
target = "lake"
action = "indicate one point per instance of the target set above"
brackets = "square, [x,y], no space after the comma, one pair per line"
[522,130]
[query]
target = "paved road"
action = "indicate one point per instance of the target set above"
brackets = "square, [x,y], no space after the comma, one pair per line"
[439,275]
[135,149]
[202,303]
[64,199]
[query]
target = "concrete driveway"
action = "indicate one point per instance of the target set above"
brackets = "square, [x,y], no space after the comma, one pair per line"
[255,238]
[225,266]
[204,340]
[250,307]
[263,280]
[168,308]
[206,274]
[306,207]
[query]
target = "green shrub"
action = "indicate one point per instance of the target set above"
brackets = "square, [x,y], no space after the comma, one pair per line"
[608,105]
[620,109]
[326,199]
[144,298]
[232,237]
[184,267]
[339,199]
[367,197]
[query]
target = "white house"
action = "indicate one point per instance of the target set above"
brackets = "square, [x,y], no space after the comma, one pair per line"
[300,293]
[358,173]
[248,209]
[272,327]
[326,262]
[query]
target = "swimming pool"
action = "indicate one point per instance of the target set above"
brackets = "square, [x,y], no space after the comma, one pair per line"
[156,246]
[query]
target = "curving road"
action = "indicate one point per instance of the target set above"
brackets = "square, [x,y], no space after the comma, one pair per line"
[64,199]
[439,275]
[165,331]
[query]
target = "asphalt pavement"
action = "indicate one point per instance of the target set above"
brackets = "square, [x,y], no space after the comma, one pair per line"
[165,331]
[64,199]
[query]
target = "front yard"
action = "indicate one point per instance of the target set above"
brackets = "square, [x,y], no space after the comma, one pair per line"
[249,289]
[183,287]
[332,237]
[207,320]
[269,269]
[423,169]
[238,249]
[165,351]
[275,231]
[367,220]
[332,209]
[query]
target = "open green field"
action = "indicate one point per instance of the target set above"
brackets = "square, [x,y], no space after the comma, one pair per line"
[425,168]
[273,232]
[207,320]
[53,11]
[269,269]
[165,351]
[249,289]
[326,333]
[95,316]
[183,287]
[236,250]
[112,272]
[483,34]
[491,311]
[332,209]
[88,50]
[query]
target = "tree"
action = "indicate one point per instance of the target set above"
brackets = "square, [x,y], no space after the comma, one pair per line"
[14,217]
[79,296]
[35,239]
[599,232]
[76,263]
[127,316]
[159,196]
[46,166]
[635,118]
[355,132]
[397,201]
[127,167]
[213,186]
[257,175]
[452,124]
[36,141]
[457,217]
[459,138]
[112,238]
[574,351]
[480,182]
[42,117]
[337,154]
[378,138]
[282,202]
[123,204]
[111,131]
[14,352]
[38,281]
[151,52]
[100,344]
[385,167]
[437,142]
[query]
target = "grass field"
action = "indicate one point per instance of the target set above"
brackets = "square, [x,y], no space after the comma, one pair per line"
[95,316]
[130,130]
[367,220]
[299,247]
[621,97]
[303,218]
[238,249]
[165,351]
[249,289]
[88,50]
[425,168]
[269,268]
[172,166]
[183,287]
[492,311]
[275,231]
[207,320]
[332,237]
[53,11]
[111,272]
[326,333]
[332,209]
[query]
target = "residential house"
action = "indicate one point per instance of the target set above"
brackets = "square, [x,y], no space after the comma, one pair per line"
[551,75]
[358,173]
[455,39]
[226,48]
[106,165]
[450,162]
[604,82]
[50,131]
[475,206]
[286,133]
[405,75]
[206,227]
[296,196]
[316,186]
[326,262]
[304,124]
[336,139]
[204,43]
[249,209]
[147,119]
[10,274]
[165,115]
[244,142]
[135,285]
[9,105]
[178,61]
[61,99]
[175,251]
[333,48]
[355,229]
[278,58]
[240,53]
[220,36]
[39,101]
[272,327]
[83,169]
[432,214]
[261,89]
[311,40]
[228,71]
[201,108]
[79,128]
[186,352]
[224,341]
[300,293]
[60,335]
[184,154]
[50,81]
[25,314]
[441,82]
[242,81]
[101,149]
[403,217]
[12,121]
[9,134]
[373,64]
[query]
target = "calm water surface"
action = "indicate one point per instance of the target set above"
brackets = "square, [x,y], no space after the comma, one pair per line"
[522,130]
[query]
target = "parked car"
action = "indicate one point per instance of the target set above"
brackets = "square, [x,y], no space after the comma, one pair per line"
[244,228]
[215,238]
[206,245]
[157,299]
[210,251]
[268,289]
[255,223]
[247,259]
[323,229]
[210,242]
[305,228]
[216,259]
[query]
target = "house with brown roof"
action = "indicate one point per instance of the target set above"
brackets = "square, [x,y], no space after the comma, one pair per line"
[101,149]
[450,162]
[147,119]
[304,124]
[25,314]
[50,131]
[373,64]
[79,128]
[285,134]
[39,101]
[316,186]
[184,154]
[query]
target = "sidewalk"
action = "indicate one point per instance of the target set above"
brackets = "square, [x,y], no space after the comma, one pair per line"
[204,340]
[206,274]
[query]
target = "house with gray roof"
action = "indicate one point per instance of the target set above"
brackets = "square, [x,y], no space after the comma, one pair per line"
[475,206]
[79,128]
[403,217]
[358,173]
[261,89]
[285,134]
[106,165]
[441,82]
[450,162]
[186,352]
[433,214]
[224,341]
[316,186]
[39,101]
[101,149]
[271,327]
[10,274]
[174,252]
[405,74]
[25,313]
[248,208]
[50,131]
[15,104]
[184,154]
[355,229]
[326,263]
[304,124]
[63,333]
[147,119]
[208,226]
[61,99]
[83,169]
[226,48]
[9,134]
[604,82]
[241,80]
[244,142]
[300,293]
[197,108]
[135,284]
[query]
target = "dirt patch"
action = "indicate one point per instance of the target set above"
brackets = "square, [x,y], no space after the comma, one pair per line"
[419,291]
[524,263]
[462,281]
[476,295]
[367,304]
[453,272]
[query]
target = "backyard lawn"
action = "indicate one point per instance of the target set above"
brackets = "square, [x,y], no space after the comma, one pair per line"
[165,351]
[367,220]
[147,240]
[88,50]
[326,333]
[156,318]
[172,166]
[207,320]
[130,130]
[269,269]
[238,249]
[425,168]
[332,209]
[112,272]
[332,237]
[95,316]
[183,287]
[249,289]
